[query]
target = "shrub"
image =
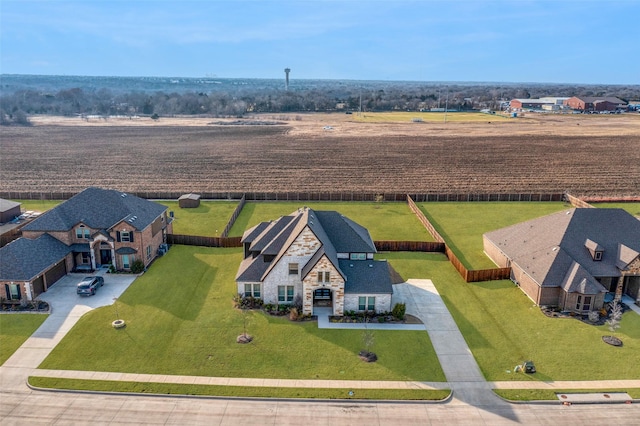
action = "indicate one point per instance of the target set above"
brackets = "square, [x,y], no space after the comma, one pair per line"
[137,266]
[399,310]
[594,316]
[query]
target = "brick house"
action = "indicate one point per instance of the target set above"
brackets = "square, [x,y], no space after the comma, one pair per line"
[590,103]
[321,256]
[95,228]
[575,259]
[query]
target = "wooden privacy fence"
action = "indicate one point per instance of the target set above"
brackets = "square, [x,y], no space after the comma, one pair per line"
[424,246]
[576,202]
[195,240]
[298,196]
[234,216]
[468,275]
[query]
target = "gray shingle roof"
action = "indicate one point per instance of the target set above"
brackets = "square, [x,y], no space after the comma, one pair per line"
[546,247]
[364,277]
[24,259]
[6,205]
[99,209]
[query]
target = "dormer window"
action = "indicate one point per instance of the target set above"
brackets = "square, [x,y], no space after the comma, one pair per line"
[595,249]
[82,232]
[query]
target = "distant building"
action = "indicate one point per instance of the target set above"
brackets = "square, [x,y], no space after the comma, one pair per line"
[591,103]
[539,104]
[9,210]
[189,201]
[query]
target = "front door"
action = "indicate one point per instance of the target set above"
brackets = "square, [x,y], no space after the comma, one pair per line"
[105,256]
[322,297]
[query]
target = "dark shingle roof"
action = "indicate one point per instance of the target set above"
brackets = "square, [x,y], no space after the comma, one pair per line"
[346,235]
[546,247]
[366,277]
[24,259]
[99,209]
[6,205]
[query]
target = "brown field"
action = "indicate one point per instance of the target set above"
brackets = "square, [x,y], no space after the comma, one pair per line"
[585,155]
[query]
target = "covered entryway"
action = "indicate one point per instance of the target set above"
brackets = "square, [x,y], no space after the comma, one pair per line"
[322,297]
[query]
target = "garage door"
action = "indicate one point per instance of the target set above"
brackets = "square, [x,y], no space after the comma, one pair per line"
[55,273]
[38,286]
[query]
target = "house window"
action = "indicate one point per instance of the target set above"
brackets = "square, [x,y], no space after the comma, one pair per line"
[366,303]
[82,233]
[252,290]
[13,291]
[85,258]
[148,252]
[358,256]
[285,293]
[126,261]
[125,236]
[597,255]
[587,303]
[578,303]
[293,269]
[324,276]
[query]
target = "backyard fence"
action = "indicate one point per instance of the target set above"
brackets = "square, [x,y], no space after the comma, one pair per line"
[423,246]
[234,216]
[576,202]
[195,240]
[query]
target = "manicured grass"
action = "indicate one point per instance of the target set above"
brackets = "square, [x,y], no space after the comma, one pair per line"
[503,328]
[633,208]
[209,219]
[239,391]
[37,205]
[15,329]
[551,395]
[385,221]
[462,224]
[180,320]
[431,117]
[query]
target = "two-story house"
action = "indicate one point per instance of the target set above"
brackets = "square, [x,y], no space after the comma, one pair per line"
[321,256]
[95,228]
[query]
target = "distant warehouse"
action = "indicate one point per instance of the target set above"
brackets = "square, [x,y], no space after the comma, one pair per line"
[590,103]
[547,104]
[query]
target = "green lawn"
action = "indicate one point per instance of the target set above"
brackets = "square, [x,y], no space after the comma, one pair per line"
[180,320]
[239,391]
[462,224]
[209,219]
[385,221]
[38,205]
[431,117]
[503,328]
[633,208]
[15,329]
[551,395]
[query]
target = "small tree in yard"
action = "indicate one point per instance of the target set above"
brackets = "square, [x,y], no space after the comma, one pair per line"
[614,318]
[379,199]
[244,337]
[368,340]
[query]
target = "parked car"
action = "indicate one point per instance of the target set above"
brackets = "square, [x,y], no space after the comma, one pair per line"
[89,285]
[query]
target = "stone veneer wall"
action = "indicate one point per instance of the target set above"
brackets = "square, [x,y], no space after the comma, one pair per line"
[383,302]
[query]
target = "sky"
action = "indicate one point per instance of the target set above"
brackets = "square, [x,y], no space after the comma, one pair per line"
[545,41]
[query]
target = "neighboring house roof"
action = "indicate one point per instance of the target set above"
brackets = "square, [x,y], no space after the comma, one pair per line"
[547,247]
[6,205]
[24,259]
[98,208]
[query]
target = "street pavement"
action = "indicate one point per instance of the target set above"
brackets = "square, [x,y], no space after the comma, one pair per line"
[473,401]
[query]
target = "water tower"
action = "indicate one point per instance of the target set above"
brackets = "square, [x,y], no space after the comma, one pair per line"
[286,78]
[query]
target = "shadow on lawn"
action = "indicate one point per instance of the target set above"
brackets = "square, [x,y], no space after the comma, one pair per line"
[183,293]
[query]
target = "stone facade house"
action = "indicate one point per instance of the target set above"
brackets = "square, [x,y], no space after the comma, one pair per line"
[575,259]
[95,228]
[321,256]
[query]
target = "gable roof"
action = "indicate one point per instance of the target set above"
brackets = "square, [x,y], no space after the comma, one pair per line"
[595,99]
[24,259]
[546,247]
[98,209]
[336,234]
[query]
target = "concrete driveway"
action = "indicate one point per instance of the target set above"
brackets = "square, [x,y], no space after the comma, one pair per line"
[62,295]
[66,309]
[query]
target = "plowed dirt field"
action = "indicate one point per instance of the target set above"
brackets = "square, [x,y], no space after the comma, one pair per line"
[584,155]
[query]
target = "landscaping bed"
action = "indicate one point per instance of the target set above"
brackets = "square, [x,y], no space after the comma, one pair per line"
[24,306]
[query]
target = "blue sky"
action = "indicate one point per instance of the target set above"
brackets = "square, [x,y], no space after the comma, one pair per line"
[561,41]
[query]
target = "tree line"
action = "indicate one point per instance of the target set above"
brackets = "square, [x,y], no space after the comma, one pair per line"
[17,105]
